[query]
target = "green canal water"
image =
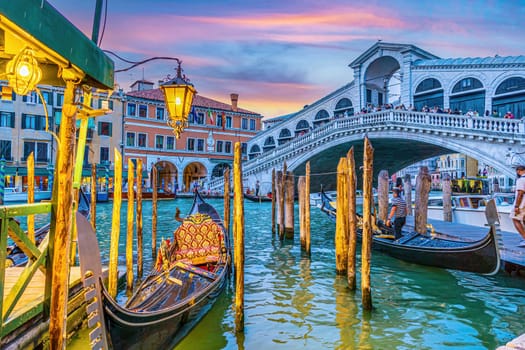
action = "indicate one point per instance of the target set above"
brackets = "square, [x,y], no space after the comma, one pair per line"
[293,301]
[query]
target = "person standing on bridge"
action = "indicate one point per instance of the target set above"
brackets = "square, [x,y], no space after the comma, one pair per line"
[518,214]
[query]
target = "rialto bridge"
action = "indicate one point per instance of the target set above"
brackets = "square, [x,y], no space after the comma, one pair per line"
[400,138]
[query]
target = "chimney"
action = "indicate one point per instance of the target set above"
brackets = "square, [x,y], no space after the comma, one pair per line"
[234,98]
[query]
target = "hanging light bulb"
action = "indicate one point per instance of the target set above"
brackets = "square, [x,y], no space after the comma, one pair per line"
[23,72]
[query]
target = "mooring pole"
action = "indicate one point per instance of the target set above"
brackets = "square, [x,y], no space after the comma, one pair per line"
[352,220]
[154,213]
[227,202]
[421,203]
[341,219]
[366,244]
[140,245]
[447,197]
[93,193]
[289,184]
[115,225]
[274,202]
[307,209]
[238,236]
[382,195]
[129,226]
[407,188]
[31,195]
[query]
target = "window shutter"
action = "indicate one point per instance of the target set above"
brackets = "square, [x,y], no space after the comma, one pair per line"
[110,129]
[12,120]
[99,128]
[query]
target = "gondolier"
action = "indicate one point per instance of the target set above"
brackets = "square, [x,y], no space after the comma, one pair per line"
[518,213]
[398,213]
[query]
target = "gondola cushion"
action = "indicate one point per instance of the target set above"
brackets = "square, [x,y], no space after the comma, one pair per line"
[198,240]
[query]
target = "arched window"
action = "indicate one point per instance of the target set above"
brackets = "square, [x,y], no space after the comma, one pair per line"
[284,136]
[343,108]
[218,170]
[302,128]
[468,95]
[428,93]
[510,96]
[255,151]
[269,144]
[320,118]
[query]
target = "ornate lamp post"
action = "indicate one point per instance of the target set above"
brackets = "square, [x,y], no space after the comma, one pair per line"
[178,95]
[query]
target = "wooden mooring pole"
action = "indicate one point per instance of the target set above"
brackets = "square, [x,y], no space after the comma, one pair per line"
[129,227]
[280,209]
[93,193]
[423,182]
[289,221]
[366,244]
[31,195]
[446,186]
[227,208]
[140,244]
[238,238]
[154,213]
[274,202]
[382,195]
[407,188]
[301,184]
[115,226]
[307,225]
[341,219]
[352,220]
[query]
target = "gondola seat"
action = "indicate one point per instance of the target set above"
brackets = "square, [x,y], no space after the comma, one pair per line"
[198,240]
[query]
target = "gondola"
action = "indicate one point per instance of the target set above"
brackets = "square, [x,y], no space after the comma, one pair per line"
[182,287]
[254,198]
[480,256]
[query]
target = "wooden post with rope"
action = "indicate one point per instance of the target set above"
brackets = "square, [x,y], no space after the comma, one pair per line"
[129,231]
[382,195]
[140,245]
[115,226]
[352,220]
[421,202]
[366,245]
[154,213]
[227,209]
[407,188]
[238,238]
[93,194]
[447,197]
[31,195]
[289,186]
[273,201]
[341,219]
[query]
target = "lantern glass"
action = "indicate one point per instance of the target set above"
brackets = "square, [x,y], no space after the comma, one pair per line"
[178,99]
[23,72]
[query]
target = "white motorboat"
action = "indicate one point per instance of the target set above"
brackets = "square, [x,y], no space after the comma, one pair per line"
[15,194]
[469,209]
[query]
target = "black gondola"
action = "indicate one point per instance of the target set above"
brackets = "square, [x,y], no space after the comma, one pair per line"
[180,289]
[480,256]
[254,198]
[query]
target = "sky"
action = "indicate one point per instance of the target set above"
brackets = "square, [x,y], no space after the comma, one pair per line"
[280,55]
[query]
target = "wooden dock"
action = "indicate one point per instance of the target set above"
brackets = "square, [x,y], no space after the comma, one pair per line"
[25,327]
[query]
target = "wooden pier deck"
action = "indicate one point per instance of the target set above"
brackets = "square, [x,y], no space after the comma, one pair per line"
[25,326]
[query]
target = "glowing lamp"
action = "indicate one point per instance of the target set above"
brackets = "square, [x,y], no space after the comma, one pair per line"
[23,72]
[178,96]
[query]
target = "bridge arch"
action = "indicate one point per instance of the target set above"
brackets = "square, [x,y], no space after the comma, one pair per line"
[344,107]
[269,144]
[509,95]
[255,151]
[467,94]
[429,92]
[302,127]
[321,118]
[377,79]
[285,135]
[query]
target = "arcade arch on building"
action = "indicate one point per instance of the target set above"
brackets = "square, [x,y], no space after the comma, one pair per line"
[218,170]
[510,96]
[428,93]
[167,174]
[343,108]
[381,81]
[468,94]
[194,175]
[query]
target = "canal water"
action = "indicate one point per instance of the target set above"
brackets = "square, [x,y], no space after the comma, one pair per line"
[293,301]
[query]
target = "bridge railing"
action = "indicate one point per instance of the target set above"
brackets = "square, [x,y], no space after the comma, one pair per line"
[455,124]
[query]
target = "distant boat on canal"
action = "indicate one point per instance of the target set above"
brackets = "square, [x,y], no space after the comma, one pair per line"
[15,194]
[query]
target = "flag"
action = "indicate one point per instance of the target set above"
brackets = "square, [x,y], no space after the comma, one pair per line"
[211,117]
[223,117]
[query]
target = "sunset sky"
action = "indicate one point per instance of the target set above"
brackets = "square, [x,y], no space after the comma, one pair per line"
[279,55]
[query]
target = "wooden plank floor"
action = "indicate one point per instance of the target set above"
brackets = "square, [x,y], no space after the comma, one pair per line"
[34,293]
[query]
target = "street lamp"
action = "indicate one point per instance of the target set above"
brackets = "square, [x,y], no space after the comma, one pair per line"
[178,96]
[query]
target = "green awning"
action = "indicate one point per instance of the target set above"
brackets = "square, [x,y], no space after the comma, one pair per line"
[22,171]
